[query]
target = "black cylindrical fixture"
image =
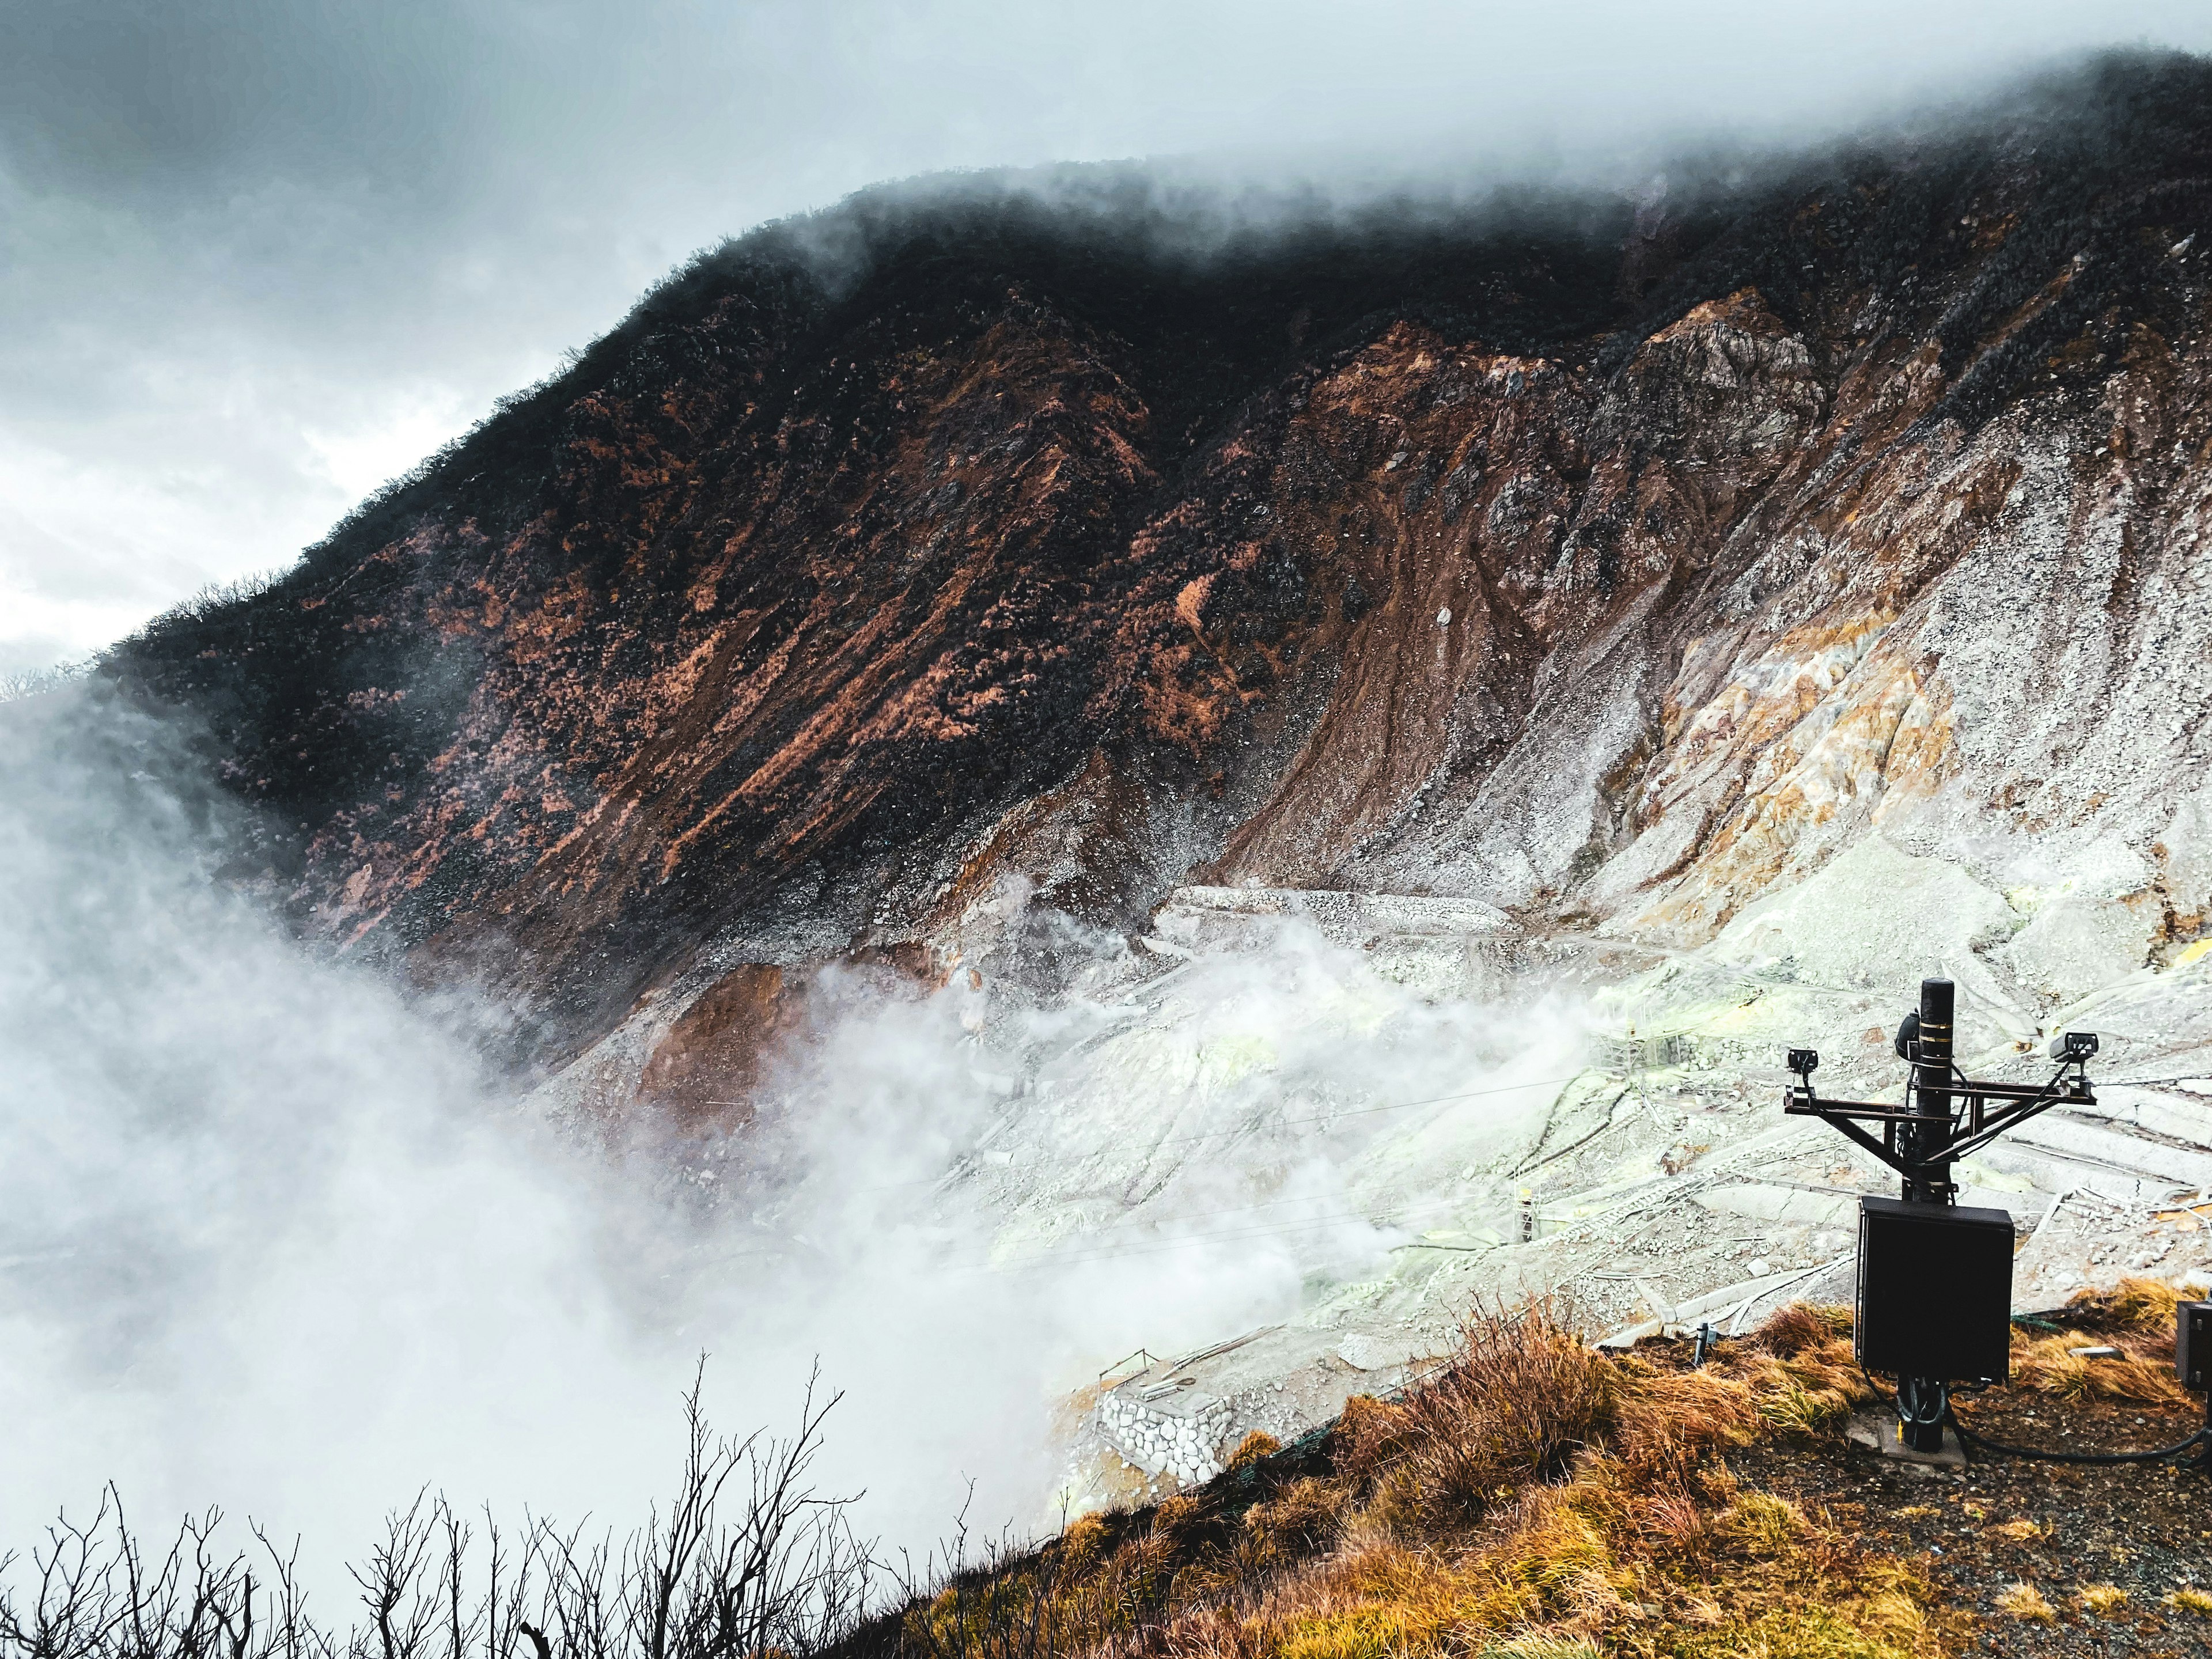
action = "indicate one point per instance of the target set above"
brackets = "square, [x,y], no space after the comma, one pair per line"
[1930,1138]
[1922,1402]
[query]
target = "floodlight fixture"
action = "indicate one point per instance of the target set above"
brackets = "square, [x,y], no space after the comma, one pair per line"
[1804,1061]
[2070,1048]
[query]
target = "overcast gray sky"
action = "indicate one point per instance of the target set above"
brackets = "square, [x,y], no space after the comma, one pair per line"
[256,257]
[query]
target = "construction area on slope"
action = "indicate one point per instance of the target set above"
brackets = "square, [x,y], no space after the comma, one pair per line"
[1659,1189]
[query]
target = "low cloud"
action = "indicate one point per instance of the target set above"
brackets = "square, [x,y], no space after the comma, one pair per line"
[257,256]
[272,1236]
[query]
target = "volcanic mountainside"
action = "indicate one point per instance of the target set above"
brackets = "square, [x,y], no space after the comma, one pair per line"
[1616,562]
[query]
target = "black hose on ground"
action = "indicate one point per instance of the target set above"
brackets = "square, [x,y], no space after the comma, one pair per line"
[1967,1437]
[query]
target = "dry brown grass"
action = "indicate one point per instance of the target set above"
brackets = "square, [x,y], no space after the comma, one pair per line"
[1251,1449]
[2105,1600]
[1519,1398]
[1595,1564]
[2046,1364]
[1304,1517]
[2145,1305]
[1534,1500]
[2024,1600]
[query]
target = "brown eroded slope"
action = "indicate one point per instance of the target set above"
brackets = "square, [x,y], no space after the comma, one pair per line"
[1613,565]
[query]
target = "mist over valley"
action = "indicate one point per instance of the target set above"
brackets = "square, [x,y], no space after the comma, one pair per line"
[1165,839]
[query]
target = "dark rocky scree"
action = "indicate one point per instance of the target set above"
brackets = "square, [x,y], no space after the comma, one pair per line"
[819,593]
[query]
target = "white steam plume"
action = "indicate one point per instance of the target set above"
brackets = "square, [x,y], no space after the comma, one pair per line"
[270,1236]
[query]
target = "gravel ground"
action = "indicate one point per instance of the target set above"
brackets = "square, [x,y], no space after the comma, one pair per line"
[2002,1521]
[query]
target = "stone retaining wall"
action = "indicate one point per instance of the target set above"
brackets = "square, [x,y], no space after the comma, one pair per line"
[1166,1429]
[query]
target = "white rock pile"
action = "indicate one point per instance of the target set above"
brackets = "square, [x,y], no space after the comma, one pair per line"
[1178,1432]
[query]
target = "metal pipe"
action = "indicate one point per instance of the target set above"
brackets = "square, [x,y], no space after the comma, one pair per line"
[1930,1132]
[1924,1402]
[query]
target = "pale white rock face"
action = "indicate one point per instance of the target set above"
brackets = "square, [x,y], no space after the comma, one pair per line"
[2078,943]
[1876,915]
[1781,1204]
[1369,1351]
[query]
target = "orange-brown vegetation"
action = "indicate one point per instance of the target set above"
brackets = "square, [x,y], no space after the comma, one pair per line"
[2136,1317]
[1537,1499]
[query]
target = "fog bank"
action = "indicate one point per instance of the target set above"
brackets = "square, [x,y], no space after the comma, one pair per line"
[271,1238]
[258,259]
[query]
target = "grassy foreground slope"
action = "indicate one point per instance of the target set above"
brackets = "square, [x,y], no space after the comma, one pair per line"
[1531,1500]
[1537,1499]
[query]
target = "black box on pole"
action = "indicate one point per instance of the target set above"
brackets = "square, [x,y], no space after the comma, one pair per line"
[2192,1344]
[1935,1290]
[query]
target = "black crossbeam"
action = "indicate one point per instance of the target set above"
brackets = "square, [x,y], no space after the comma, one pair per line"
[1971,1127]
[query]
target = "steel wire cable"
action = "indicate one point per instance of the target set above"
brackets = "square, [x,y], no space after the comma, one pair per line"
[1055,1258]
[1105,1227]
[1079,1257]
[1281,1123]
[1050,1257]
[1363,1111]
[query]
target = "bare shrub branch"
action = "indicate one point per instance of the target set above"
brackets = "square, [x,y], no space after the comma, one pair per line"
[747,1559]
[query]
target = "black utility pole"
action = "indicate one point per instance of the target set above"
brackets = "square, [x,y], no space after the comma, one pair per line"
[1924,1401]
[1934,1280]
[1927,1141]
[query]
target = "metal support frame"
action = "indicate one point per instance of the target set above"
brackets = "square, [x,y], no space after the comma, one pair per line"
[1972,1125]
[1947,1116]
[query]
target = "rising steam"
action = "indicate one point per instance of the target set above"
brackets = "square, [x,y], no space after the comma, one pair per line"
[271,1236]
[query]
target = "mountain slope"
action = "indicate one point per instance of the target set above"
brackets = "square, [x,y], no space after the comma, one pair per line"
[1614,563]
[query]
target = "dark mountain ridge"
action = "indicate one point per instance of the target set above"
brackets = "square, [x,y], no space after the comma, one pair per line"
[874,558]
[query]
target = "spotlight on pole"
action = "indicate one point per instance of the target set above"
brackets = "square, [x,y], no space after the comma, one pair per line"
[2069,1046]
